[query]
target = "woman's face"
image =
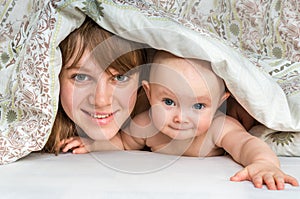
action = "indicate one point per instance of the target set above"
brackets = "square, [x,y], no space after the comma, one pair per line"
[98,102]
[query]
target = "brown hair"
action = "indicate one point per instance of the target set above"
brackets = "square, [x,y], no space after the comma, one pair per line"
[107,50]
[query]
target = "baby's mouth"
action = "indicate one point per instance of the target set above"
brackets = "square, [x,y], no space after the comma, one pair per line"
[177,128]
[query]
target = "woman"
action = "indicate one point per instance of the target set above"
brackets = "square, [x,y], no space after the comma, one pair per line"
[99,84]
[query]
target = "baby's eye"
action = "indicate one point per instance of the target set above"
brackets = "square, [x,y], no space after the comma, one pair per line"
[169,102]
[198,106]
[81,77]
[121,78]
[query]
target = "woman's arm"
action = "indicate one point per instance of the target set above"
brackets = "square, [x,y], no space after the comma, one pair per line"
[235,110]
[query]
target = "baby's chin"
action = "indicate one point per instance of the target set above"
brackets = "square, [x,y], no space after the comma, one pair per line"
[181,135]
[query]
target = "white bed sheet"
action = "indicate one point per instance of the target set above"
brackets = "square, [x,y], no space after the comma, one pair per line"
[132,175]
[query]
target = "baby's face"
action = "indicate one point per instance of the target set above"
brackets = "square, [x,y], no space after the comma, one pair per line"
[184,99]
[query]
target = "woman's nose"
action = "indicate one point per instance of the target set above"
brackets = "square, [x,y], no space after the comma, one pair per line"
[102,95]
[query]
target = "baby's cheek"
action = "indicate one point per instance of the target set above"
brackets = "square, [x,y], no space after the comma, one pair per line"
[158,116]
[203,125]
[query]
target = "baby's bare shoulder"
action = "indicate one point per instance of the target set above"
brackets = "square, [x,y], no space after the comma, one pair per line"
[223,125]
[225,121]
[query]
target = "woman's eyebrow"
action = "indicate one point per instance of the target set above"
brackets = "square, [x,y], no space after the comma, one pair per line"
[130,71]
[78,68]
[75,67]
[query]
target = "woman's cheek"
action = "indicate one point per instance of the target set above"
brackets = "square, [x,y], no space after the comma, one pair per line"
[66,99]
[132,102]
[127,96]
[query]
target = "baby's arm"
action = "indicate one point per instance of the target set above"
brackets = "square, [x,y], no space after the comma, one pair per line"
[80,145]
[261,163]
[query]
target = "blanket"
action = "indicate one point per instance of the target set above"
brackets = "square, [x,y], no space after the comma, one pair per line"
[253,45]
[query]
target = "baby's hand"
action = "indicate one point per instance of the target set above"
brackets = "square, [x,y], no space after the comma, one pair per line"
[264,173]
[78,145]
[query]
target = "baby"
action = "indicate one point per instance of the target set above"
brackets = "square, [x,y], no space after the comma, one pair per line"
[185,95]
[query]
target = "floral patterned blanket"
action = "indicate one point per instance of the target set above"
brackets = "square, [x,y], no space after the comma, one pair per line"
[253,45]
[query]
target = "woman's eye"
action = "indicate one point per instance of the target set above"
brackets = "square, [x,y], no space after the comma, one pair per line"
[198,106]
[169,102]
[81,77]
[121,78]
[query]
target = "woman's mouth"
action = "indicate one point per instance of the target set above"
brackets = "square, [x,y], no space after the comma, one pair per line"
[100,116]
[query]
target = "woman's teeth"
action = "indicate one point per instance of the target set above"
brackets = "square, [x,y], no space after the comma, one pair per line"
[100,116]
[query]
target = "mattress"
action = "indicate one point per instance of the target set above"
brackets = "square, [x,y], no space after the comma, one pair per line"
[133,174]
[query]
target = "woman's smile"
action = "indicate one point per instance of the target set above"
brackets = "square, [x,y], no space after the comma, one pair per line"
[103,118]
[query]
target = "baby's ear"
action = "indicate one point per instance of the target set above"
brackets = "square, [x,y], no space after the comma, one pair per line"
[146,87]
[223,98]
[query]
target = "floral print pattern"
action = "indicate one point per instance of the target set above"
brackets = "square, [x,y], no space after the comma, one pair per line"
[282,138]
[269,29]
[266,32]
[25,99]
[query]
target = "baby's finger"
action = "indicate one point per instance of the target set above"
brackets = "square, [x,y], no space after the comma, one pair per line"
[240,176]
[257,181]
[270,181]
[279,182]
[291,180]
